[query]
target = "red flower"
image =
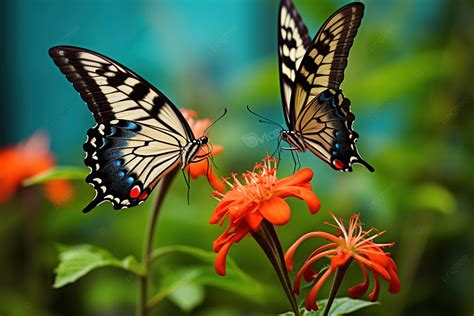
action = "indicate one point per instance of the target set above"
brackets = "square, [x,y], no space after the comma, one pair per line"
[202,168]
[260,197]
[25,160]
[346,246]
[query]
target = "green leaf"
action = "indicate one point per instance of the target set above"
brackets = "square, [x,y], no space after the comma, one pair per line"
[340,306]
[206,256]
[68,173]
[433,197]
[235,280]
[77,261]
[188,296]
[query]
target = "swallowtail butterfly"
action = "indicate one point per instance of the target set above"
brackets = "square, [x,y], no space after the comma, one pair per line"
[140,135]
[317,114]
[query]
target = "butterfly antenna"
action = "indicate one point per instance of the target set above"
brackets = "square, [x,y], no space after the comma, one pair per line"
[263,119]
[216,120]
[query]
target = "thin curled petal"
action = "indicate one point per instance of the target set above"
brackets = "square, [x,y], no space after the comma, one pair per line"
[291,251]
[374,266]
[310,302]
[394,285]
[220,262]
[306,265]
[374,295]
[357,291]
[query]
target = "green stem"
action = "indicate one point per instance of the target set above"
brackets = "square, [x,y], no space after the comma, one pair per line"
[340,272]
[268,240]
[143,310]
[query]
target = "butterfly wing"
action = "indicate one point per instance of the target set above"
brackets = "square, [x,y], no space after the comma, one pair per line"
[139,136]
[112,91]
[326,129]
[319,111]
[127,159]
[293,40]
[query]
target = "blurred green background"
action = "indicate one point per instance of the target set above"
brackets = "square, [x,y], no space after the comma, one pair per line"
[409,78]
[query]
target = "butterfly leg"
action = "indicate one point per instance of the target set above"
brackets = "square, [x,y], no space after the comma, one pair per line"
[187,179]
[294,161]
[298,161]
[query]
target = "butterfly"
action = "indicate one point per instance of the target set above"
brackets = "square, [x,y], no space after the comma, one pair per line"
[140,136]
[317,114]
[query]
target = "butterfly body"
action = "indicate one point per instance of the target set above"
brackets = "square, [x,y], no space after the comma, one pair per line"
[316,112]
[140,135]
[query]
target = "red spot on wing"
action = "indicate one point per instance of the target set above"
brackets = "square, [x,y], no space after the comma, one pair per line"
[338,164]
[135,192]
[143,196]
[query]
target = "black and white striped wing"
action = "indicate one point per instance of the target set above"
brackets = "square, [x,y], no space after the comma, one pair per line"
[127,159]
[293,40]
[326,130]
[139,133]
[321,114]
[325,60]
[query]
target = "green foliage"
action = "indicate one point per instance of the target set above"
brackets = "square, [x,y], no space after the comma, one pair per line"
[401,77]
[433,197]
[76,261]
[340,306]
[409,77]
[185,286]
[188,296]
[68,173]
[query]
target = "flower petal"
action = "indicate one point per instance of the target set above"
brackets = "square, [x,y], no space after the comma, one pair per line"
[394,284]
[220,262]
[341,258]
[198,168]
[310,302]
[215,181]
[374,295]
[275,210]
[254,220]
[306,195]
[300,177]
[357,291]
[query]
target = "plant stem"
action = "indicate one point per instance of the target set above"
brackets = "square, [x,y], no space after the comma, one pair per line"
[268,240]
[143,310]
[340,272]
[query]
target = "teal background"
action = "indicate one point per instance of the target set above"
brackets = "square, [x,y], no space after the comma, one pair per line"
[410,82]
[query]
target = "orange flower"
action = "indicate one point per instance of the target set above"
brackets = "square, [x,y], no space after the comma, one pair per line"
[25,160]
[353,244]
[202,167]
[260,197]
